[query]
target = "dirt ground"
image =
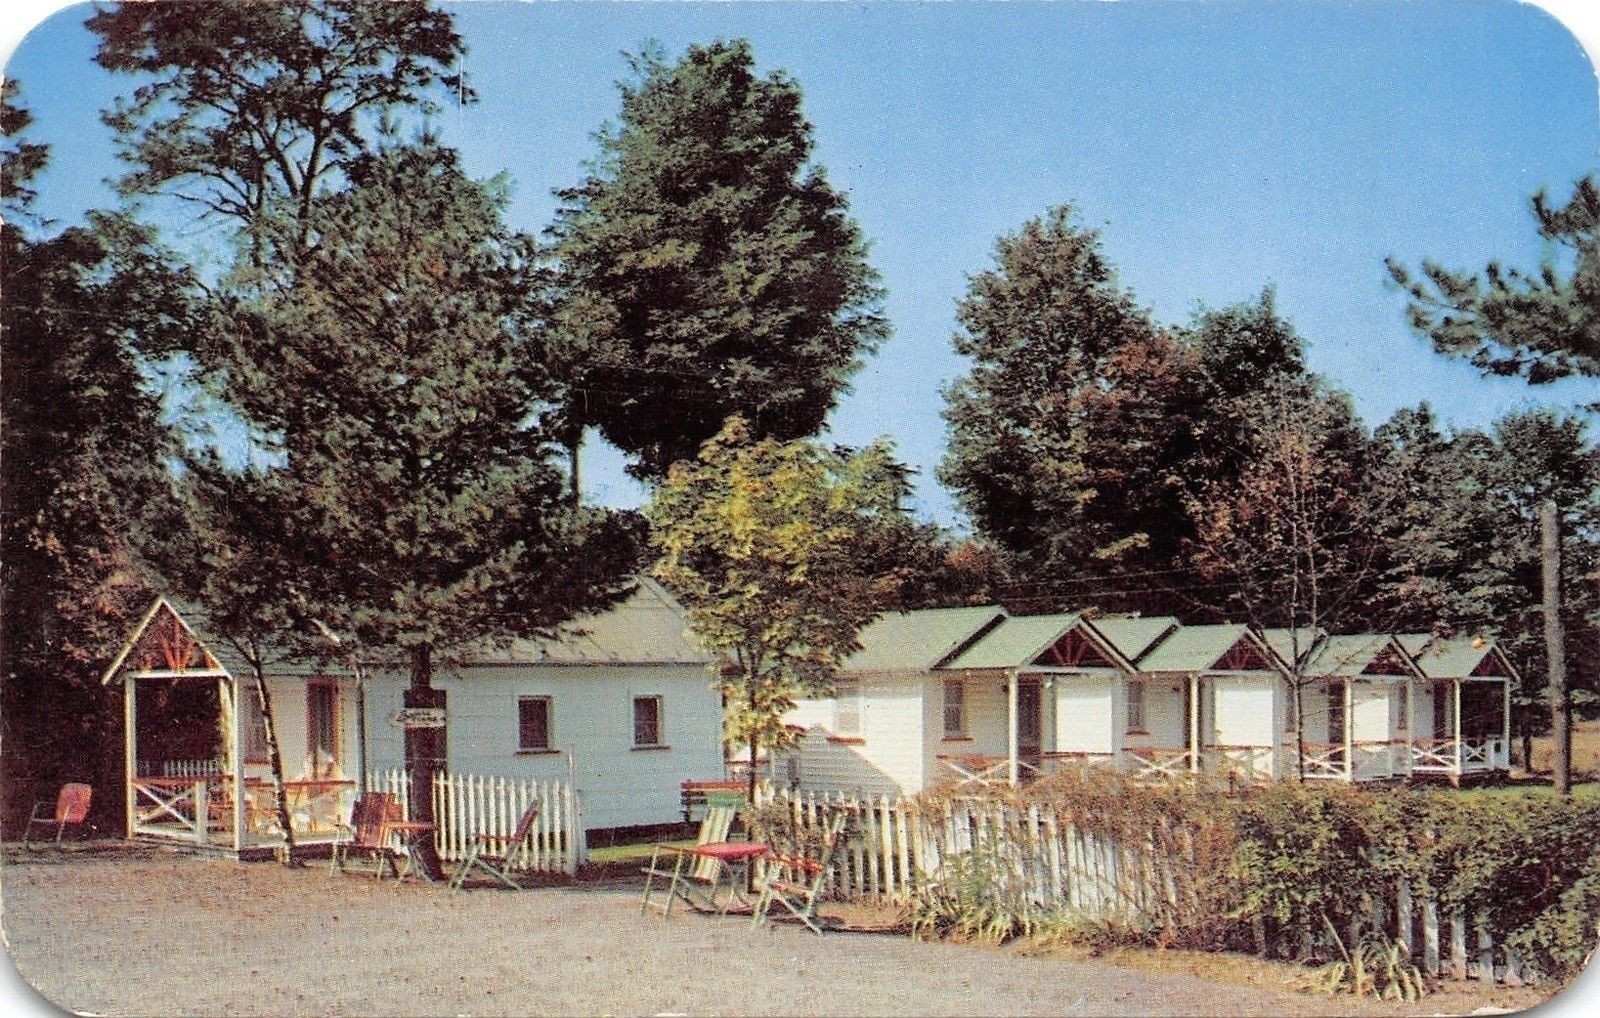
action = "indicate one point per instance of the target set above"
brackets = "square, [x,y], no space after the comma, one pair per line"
[118,933]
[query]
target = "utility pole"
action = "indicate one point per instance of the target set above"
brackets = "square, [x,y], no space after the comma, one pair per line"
[1554,644]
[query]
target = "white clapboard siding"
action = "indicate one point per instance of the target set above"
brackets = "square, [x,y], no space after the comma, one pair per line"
[894,848]
[466,805]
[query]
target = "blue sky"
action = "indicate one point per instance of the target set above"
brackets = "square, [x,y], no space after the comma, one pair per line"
[1219,146]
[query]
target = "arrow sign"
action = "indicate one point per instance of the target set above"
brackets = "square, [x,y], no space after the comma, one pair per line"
[418,717]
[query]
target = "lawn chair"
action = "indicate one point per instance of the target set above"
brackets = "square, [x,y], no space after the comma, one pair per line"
[494,853]
[722,808]
[801,891]
[71,807]
[368,832]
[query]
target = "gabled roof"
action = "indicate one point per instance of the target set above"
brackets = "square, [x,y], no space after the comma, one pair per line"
[647,627]
[1197,648]
[167,641]
[1457,657]
[1133,636]
[1020,641]
[920,640]
[1284,641]
[1351,655]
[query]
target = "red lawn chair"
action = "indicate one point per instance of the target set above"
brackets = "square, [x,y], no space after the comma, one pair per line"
[72,806]
[368,832]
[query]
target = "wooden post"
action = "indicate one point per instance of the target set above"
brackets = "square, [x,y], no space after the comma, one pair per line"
[1485,952]
[1404,919]
[1455,696]
[1505,722]
[130,750]
[1411,724]
[1011,728]
[1430,937]
[1194,722]
[1458,945]
[1555,645]
[1349,732]
[202,810]
[236,753]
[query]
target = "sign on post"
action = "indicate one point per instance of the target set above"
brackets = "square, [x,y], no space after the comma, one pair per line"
[418,717]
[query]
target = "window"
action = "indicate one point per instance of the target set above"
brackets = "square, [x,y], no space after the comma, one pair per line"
[1135,705]
[253,734]
[533,723]
[846,707]
[1402,708]
[955,709]
[647,721]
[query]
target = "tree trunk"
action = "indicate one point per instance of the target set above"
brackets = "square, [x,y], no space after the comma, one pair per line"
[574,449]
[423,756]
[274,763]
[1299,731]
[1555,646]
[750,780]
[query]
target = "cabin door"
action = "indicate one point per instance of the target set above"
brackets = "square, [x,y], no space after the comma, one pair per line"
[322,729]
[1030,717]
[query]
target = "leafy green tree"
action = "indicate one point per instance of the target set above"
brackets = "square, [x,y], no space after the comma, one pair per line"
[766,543]
[706,266]
[389,363]
[1541,325]
[1065,434]
[83,484]
[245,106]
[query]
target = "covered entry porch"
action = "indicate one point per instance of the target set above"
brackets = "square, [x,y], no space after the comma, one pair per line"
[195,753]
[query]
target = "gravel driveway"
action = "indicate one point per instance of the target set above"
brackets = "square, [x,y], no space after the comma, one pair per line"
[173,935]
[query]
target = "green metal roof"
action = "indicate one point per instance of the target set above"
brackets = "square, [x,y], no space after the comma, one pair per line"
[919,640]
[1452,657]
[1193,648]
[1015,642]
[1347,656]
[1133,635]
[1283,641]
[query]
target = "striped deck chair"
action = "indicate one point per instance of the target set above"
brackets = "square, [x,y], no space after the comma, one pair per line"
[368,833]
[495,854]
[722,808]
[796,881]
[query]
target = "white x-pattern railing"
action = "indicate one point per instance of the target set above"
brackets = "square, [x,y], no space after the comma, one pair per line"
[1153,763]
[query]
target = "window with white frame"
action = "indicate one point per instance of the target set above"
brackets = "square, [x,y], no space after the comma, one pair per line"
[533,723]
[646,721]
[1135,705]
[847,707]
[955,709]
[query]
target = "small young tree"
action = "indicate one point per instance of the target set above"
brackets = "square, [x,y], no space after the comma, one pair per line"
[1285,538]
[768,545]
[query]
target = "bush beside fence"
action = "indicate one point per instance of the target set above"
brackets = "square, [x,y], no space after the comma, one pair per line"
[1501,888]
[466,805]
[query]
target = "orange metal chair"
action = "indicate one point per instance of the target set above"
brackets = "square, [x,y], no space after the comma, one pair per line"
[71,807]
[368,832]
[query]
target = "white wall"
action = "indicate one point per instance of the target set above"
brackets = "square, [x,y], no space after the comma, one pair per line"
[591,715]
[1372,710]
[289,713]
[887,756]
[1246,712]
[1087,716]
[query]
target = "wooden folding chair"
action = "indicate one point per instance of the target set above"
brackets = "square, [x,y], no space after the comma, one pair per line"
[801,891]
[368,832]
[495,853]
[71,808]
[722,808]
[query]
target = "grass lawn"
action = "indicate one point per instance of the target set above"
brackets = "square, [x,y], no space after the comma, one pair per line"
[1585,790]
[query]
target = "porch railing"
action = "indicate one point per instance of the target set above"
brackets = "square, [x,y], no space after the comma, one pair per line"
[1155,763]
[1458,756]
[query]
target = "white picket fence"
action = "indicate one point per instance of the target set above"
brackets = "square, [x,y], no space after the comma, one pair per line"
[466,805]
[897,847]
[179,768]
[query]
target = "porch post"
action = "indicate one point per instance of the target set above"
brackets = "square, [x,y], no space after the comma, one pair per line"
[1455,685]
[1505,720]
[1411,723]
[1011,728]
[236,755]
[130,750]
[1349,732]
[1194,722]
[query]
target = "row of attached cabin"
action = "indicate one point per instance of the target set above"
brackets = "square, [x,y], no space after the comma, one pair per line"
[970,696]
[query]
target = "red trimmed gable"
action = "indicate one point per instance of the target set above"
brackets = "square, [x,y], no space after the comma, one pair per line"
[166,645]
[1243,656]
[1074,651]
[1388,662]
[1489,667]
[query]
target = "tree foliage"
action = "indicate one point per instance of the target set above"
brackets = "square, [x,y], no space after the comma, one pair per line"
[244,104]
[1541,324]
[770,545]
[1064,434]
[84,485]
[707,266]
